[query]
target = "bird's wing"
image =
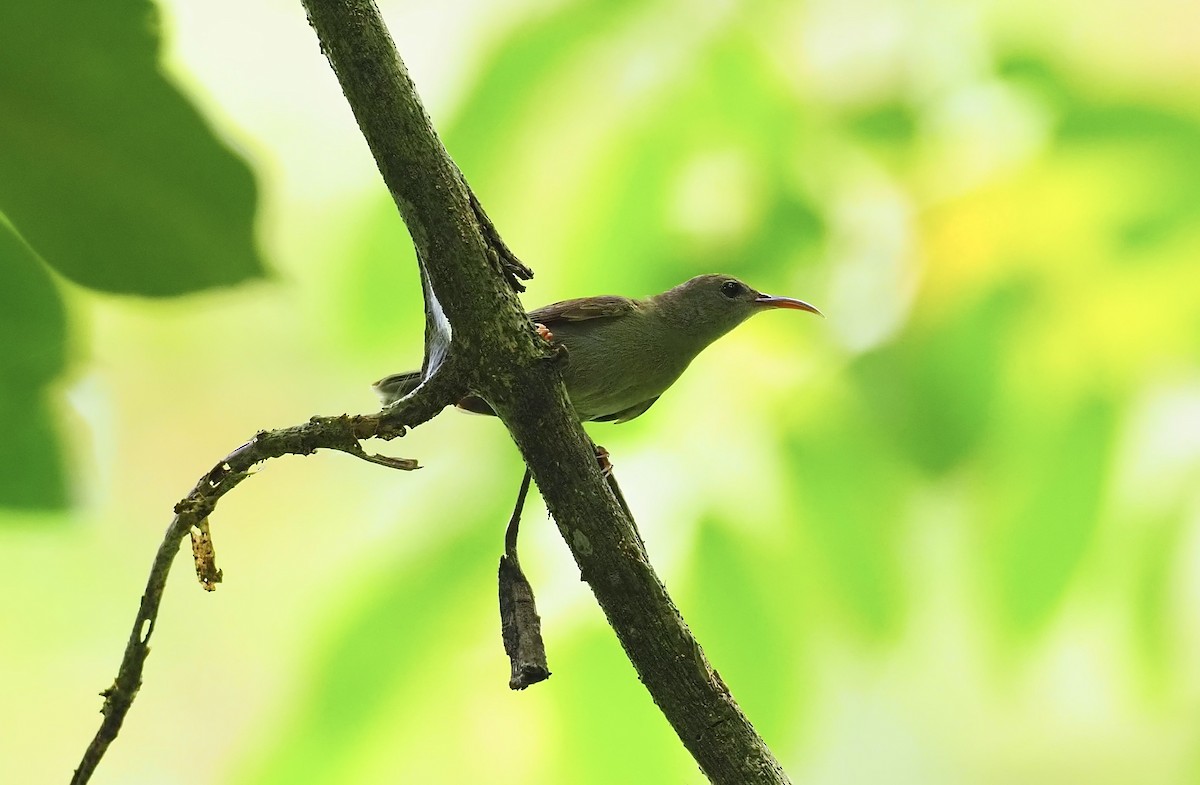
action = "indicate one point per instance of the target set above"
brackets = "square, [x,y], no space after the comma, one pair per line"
[583,309]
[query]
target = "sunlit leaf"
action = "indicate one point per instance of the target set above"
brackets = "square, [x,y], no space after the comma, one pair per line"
[1089,122]
[611,731]
[1036,72]
[892,123]
[746,611]
[383,646]
[1162,193]
[105,169]
[377,283]
[505,95]
[850,492]
[729,108]
[1152,597]
[1048,495]
[932,389]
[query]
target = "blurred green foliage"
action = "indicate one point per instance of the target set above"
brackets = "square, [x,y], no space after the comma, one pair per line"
[387,645]
[115,181]
[1004,388]
[952,525]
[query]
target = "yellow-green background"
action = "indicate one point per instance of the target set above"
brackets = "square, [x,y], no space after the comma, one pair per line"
[947,535]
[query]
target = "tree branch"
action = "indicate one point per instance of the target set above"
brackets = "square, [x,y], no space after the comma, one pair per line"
[343,433]
[494,340]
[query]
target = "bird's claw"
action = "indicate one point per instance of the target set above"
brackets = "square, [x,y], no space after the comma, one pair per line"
[558,351]
[606,467]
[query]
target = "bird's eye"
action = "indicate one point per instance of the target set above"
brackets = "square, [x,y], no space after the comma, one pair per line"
[731,289]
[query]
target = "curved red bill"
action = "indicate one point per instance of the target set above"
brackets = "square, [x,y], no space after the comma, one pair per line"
[787,302]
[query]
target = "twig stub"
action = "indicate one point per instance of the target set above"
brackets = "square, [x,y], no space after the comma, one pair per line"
[520,625]
[205,556]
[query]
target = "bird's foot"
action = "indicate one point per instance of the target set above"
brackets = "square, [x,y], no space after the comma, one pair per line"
[543,331]
[606,466]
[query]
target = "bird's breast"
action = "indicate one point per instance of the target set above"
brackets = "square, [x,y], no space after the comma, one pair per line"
[609,369]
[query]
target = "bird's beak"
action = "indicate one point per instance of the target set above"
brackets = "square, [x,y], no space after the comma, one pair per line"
[787,302]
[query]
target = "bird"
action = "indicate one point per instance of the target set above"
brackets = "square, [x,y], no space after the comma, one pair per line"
[623,353]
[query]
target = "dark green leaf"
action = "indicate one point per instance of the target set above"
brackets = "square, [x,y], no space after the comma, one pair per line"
[105,169]
[31,470]
[32,318]
[32,352]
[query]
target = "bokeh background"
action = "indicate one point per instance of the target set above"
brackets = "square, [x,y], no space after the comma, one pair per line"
[950,534]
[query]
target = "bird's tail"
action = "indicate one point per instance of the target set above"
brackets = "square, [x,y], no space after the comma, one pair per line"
[392,388]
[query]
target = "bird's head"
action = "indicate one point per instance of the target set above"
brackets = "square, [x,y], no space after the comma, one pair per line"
[711,305]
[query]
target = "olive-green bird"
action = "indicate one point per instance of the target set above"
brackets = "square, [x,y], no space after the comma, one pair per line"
[622,354]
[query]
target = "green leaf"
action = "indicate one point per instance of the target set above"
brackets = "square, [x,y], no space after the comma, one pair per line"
[730,104]
[1157,174]
[31,466]
[32,352]
[1034,72]
[378,289]
[510,81]
[1155,572]
[386,643]
[891,123]
[608,729]
[1048,487]
[1096,122]
[746,610]
[933,389]
[851,493]
[105,168]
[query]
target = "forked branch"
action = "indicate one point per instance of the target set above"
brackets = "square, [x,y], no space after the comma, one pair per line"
[470,278]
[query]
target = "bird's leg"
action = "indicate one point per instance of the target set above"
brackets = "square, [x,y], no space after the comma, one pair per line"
[606,469]
[514,521]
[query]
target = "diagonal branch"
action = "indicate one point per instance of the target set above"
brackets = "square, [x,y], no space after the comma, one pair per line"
[343,433]
[494,339]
